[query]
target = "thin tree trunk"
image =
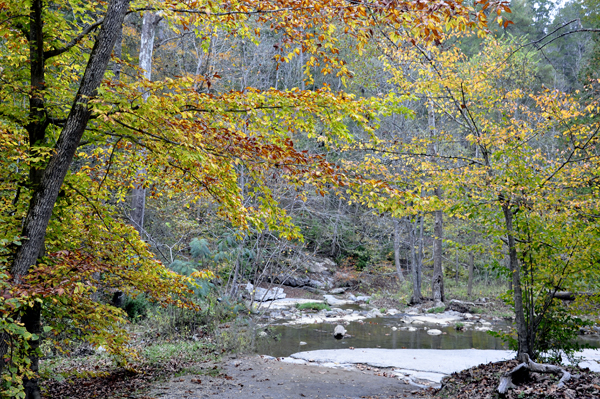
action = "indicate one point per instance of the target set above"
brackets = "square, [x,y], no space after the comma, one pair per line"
[46,192]
[397,250]
[420,255]
[437,282]
[457,275]
[471,265]
[522,330]
[415,257]
[507,264]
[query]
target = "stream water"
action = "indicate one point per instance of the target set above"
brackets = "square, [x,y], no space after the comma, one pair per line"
[378,333]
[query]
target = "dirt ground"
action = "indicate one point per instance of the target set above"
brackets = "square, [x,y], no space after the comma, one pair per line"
[254,377]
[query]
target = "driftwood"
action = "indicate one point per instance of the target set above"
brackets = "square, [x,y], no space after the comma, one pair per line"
[570,296]
[523,369]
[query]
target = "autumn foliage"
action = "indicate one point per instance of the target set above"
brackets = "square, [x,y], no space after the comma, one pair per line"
[190,139]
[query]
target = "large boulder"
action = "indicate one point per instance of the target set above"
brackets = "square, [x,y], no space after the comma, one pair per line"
[263,294]
[313,264]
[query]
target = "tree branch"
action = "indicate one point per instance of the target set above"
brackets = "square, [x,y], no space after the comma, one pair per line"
[53,53]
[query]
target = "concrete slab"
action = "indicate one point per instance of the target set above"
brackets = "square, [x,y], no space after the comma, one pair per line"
[421,367]
[591,359]
[424,360]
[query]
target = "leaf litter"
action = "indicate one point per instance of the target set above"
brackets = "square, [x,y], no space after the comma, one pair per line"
[481,382]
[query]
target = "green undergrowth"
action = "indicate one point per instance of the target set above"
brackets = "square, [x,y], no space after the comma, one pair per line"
[439,309]
[313,306]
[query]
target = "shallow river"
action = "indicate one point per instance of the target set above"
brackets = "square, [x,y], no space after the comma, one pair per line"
[377,333]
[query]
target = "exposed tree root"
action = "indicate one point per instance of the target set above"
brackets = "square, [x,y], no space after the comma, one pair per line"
[520,372]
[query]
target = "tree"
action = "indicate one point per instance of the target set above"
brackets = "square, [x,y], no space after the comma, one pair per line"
[526,170]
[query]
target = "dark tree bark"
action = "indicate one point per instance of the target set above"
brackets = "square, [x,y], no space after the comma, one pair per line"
[47,182]
[470,283]
[523,339]
[45,195]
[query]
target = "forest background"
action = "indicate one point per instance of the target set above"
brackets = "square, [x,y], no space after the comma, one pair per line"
[218,142]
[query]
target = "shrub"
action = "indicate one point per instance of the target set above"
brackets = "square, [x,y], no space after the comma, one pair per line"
[136,307]
[439,309]
[313,306]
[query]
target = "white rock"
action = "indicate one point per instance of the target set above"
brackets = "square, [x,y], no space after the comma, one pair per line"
[411,329]
[263,295]
[433,331]
[394,328]
[302,343]
[339,332]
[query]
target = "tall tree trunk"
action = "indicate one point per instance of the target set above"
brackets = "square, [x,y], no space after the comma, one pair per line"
[36,130]
[397,250]
[522,330]
[46,192]
[138,194]
[437,280]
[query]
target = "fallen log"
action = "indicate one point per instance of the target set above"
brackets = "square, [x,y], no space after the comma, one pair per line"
[522,370]
[570,296]
[462,306]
